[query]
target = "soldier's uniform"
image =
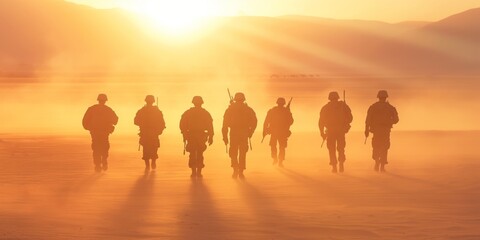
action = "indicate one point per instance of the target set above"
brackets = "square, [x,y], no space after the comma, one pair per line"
[277,123]
[380,118]
[242,121]
[336,117]
[150,120]
[100,119]
[196,125]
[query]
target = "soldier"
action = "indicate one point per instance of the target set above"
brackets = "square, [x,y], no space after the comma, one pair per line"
[380,118]
[277,123]
[150,120]
[196,125]
[100,119]
[242,121]
[336,117]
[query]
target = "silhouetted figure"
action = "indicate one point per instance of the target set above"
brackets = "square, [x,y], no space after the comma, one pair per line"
[242,121]
[196,125]
[335,117]
[277,124]
[100,119]
[380,118]
[150,120]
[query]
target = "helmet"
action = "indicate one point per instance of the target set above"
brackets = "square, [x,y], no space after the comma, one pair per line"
[102,97]
[382,94]
[149,99]
[239,97]
[333,96]
[197,100]
[281,101]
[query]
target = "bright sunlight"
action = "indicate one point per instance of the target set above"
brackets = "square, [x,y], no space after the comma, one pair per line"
[173,17]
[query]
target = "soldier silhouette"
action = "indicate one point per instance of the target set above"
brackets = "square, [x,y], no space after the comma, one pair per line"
[100,119]
[277,123]
[380,118]
[334,123]
[242,121]
[150,120]
[196,125]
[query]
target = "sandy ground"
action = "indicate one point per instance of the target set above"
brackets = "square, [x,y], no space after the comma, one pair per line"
[431,190]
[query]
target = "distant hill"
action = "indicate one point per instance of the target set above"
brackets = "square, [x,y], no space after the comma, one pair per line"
[53,36]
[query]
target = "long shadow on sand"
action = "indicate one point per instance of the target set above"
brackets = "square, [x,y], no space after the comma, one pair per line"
[131,219]
[201,220]
[312,184]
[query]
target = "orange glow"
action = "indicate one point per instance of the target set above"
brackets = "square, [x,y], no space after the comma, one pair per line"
[174,18]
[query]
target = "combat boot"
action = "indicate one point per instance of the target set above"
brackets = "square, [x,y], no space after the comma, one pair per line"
[340,167]
[382,168]
[147,165]
[194,173]
[235,173]
[154,163]
[105,166]
[334,168]
[199,173]
[240,175]
[377,166]
[98,168]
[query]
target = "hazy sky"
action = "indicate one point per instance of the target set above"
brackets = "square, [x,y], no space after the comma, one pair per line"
[383,10]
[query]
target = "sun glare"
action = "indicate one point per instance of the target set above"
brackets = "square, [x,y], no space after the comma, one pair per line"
[173,17]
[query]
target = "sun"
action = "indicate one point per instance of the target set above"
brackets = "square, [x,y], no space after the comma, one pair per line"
[173,17]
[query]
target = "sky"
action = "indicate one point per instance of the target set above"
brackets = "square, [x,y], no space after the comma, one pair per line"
[381,10]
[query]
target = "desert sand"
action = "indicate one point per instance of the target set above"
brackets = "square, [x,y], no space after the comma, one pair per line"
[430,191]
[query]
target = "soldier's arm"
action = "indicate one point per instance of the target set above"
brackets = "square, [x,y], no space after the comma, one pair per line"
[137,120]
[253,123]
[162,122]
[114,118]
[349,114]
[86,119]
[395,118]
[266,124]
[182,124]
[368,120]
[225,125]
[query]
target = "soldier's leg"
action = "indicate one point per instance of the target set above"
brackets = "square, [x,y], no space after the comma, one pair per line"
[154,157]
[147,149]
[341,151]
[331,145]
[192,161]
[97,156]
[242,157]
[106,148]
[376,146]
[233,152]
[200,163]
[384,150]
[282,144]
[273,148]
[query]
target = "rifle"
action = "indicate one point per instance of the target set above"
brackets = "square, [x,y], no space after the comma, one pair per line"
[231,101]
[230,95]
[321,146]
[289,102]
[184,145]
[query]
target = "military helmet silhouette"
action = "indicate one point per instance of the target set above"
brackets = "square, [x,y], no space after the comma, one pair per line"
[102,97]
[239,97]
[281,101]
[333,96]
[382,94]
[197,100]
[150,99]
